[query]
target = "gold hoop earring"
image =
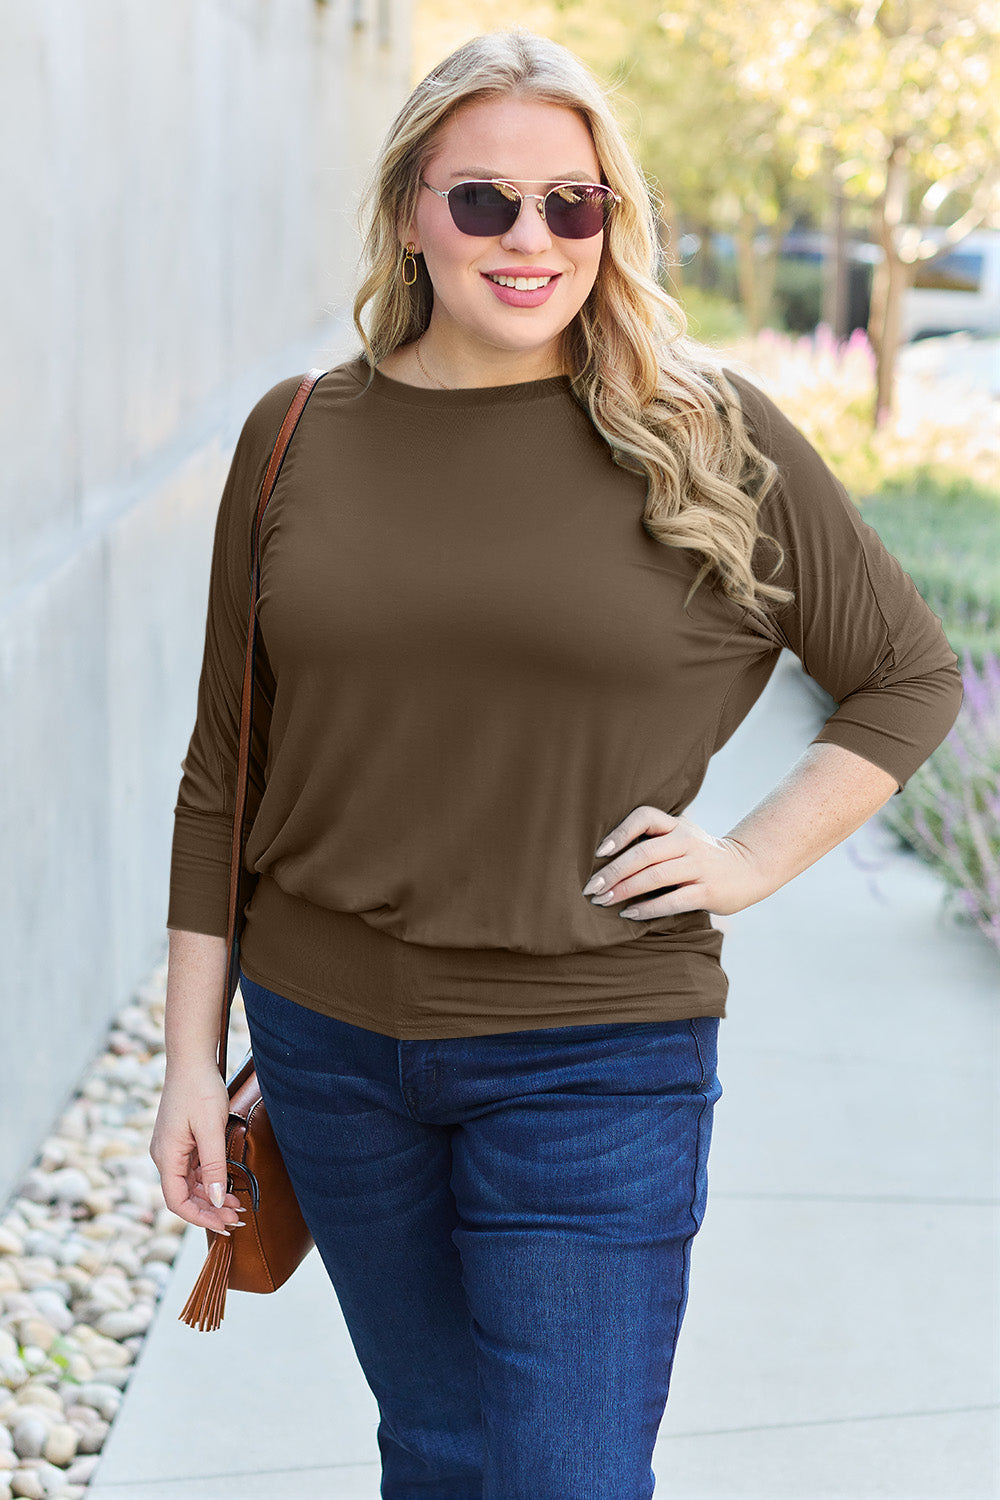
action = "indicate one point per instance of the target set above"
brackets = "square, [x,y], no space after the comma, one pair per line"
[408,255]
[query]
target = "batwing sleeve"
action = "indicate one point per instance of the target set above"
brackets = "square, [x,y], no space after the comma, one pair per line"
[857,622]
[203,815]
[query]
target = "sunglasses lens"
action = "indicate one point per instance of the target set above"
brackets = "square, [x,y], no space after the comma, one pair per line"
[488,209]
[482,209]
[577,213]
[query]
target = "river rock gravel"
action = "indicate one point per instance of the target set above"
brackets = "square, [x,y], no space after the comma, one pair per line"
[86,1248]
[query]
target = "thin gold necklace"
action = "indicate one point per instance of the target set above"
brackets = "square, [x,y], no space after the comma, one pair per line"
[416,350]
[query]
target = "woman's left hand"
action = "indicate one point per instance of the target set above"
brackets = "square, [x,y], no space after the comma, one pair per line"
[718,875]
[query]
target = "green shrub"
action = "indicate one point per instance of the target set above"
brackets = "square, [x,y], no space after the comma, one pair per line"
[712,318]
[945,535]
[798,294]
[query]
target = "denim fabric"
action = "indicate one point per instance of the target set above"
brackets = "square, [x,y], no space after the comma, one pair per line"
[507,1223]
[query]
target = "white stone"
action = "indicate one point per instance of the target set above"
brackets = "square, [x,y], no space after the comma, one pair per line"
[90,1261]
[37,1187]
[79,1368]
[125,1256]
[104,1399]
[36,1331]
[98,1201]
[11,1243]
[159,1271]
[30,1432]
[53,1307]
[76,1278]
[110,1289]
[92,1436]
[69,1251]
[82,1468]
[167,1222]
[8,1343]
[36,1477]
[12,1371]
[124,1323]
[37,1396]
[147,1288]
[18,1305]
[161,1247]
[41,1242]
[28,1483]
[61,1444]
[70,1185]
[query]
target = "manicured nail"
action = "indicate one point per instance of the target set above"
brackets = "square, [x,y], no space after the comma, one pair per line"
[595,883]
[216,1192]
[604,848]
[631,911]
[604,900]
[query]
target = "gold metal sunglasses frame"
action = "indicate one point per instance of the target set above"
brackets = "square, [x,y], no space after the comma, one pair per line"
[513,192]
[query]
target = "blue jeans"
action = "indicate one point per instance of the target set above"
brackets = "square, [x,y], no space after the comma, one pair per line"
[507,1223]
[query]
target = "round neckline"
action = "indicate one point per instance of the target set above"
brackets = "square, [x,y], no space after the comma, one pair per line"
[462,395]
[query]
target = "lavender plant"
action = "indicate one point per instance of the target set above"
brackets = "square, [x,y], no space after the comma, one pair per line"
[949,811]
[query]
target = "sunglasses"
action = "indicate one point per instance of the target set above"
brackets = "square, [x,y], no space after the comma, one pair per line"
[572,210]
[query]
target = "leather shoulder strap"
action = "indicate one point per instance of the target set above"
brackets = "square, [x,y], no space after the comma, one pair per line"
[287,428]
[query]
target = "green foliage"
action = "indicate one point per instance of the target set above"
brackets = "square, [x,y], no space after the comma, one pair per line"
[944,533]
[949,811]
[712,318]
[798,294]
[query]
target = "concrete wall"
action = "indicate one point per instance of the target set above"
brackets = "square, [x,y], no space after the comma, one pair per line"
[179,186]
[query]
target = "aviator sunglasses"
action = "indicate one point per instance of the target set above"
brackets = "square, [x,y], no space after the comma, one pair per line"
[486,208]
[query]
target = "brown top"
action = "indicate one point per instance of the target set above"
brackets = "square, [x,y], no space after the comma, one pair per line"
[473,662]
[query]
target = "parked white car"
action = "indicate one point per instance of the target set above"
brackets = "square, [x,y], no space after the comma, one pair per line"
[958,293]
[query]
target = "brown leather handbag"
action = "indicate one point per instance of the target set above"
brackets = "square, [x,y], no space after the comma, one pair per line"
[277,1239]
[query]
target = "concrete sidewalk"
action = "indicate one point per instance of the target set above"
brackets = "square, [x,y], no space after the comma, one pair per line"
[841,1336]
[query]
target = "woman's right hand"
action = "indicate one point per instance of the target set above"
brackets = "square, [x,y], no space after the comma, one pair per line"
[188,1146]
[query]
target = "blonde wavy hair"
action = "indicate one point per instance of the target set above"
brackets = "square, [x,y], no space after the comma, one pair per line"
[658,399]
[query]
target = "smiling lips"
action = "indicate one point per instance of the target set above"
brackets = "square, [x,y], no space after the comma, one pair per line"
[533,280]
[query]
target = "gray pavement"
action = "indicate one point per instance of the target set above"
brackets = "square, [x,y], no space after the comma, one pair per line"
[841,1336]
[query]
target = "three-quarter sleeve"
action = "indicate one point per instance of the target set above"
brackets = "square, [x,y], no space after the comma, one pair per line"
[203,816]
[857,622]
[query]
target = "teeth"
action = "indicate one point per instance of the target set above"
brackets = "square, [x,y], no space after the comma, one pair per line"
[522,283]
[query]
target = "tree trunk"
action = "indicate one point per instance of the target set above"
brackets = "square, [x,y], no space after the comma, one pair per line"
[900,276]
[892,277]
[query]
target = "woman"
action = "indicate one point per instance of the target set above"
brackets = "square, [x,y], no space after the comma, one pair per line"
[529,562]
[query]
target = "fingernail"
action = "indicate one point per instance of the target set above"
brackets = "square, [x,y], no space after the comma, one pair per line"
[604,900]
[216,1192]
[631,912]
[595,883]
[604,848]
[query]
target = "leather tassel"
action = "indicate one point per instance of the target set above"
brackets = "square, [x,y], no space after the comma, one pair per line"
[207,1303]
